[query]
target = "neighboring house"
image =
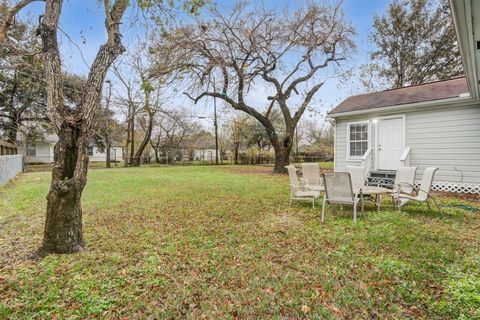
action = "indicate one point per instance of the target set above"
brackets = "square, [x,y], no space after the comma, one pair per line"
[205,154]
[42,151]
[434,124]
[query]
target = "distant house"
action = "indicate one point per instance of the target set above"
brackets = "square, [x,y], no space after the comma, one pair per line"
[41,151]
[435,124]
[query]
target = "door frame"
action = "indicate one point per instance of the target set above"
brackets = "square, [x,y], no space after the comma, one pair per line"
[396,116]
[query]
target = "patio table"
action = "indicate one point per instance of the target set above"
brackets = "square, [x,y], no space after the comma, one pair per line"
[377,192]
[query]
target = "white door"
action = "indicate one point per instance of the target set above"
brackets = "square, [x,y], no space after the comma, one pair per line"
[390,143]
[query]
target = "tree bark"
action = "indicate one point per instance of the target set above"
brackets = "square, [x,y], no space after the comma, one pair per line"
[132,139]
[146,139]
[63,224]
[235,155]
[282,150]
[107,156]
[282,159]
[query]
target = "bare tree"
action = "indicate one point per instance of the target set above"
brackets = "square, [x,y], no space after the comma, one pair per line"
[174,134]
[142,99]
[228,55]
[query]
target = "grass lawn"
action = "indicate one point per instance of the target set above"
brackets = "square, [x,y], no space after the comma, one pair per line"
[221,242]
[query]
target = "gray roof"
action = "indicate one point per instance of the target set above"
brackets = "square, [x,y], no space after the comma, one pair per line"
[419,93]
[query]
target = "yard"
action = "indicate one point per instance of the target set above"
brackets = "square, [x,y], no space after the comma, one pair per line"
[221,242]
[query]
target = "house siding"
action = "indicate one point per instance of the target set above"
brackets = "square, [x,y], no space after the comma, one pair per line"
[43,153]
[447,138]
[98,156]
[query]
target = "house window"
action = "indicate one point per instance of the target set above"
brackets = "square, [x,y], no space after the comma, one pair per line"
[31,150]
[90,151]
[358,139]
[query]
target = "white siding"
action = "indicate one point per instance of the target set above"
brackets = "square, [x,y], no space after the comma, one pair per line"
[447,138]
[43,153]
[102,156]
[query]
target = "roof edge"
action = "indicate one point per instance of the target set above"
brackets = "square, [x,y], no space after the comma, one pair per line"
[460,101]
[462,18]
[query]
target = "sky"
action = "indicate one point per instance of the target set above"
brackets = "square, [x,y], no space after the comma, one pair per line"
[83,22]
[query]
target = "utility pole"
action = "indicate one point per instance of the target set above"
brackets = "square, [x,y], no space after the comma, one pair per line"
[216,129]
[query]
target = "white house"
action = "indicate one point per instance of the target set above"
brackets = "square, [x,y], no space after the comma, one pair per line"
[434,124]
[42,151]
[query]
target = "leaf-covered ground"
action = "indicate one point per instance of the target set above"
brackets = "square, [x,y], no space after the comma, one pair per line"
[221,242]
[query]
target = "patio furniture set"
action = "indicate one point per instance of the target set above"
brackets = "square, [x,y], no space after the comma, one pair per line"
[351,188]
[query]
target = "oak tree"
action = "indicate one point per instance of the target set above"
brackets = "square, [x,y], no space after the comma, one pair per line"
[415,42]
[280,54]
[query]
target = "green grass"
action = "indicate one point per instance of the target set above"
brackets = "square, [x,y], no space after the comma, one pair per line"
[221,242]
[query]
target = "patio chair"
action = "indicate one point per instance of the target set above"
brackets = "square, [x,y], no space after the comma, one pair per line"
[405,180]
[339,190]
[357,174]
[298,192]
[311,175]
[420,194]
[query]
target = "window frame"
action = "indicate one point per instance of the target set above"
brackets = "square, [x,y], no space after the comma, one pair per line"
[369,134]
[29,146]
[88,152]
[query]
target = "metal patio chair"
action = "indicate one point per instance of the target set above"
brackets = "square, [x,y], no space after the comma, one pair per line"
[311,174]
[299,192]
[357,174]
[339,190]
[420,194]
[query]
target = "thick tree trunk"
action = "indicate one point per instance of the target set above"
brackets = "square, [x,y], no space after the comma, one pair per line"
[282,159]
[63,224]
[282,150]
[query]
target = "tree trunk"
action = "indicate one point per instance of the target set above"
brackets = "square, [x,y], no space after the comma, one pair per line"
[107,159]
[63,224]
[282,159]
[132,140]
[11,132]
[282,153]
[143,145]
[235,155]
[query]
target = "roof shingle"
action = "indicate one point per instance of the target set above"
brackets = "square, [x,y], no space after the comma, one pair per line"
[419,93]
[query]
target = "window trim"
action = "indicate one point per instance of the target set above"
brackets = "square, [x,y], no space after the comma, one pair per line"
[369,137]
[88,152]
[31,145]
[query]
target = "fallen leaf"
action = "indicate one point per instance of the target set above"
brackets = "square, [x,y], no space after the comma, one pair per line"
[305,308]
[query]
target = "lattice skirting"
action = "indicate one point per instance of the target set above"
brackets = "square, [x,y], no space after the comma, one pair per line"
[456,187]
[445,186]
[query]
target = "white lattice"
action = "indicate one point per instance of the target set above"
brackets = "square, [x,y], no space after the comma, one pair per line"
[456,187]
[445,186]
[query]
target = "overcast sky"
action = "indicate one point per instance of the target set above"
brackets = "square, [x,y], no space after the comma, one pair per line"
[83,21]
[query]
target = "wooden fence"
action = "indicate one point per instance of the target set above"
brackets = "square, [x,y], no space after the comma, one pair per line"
[7,148]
